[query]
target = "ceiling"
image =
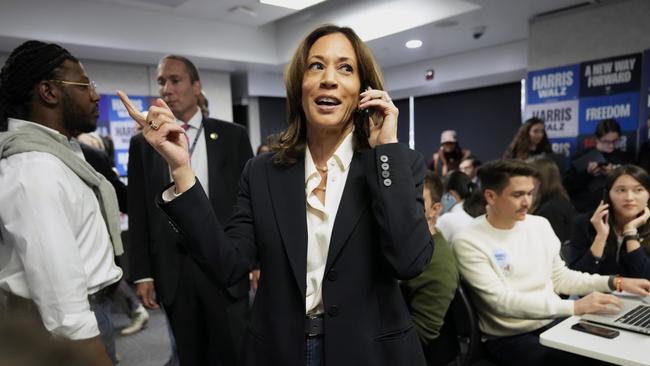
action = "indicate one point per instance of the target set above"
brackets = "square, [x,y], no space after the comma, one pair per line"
[244,35]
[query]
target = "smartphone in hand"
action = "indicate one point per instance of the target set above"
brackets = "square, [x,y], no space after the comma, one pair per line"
[596,330]
[361,119]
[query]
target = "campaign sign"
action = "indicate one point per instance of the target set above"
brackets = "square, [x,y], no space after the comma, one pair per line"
[115,122]
[560,118]
[624,108]
[613,75]
[645,99]
[558,83]
[563,146]
[121,132]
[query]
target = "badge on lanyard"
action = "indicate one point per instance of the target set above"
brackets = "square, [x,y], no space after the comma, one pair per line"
[503,261]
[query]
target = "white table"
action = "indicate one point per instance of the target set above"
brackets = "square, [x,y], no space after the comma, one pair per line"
[628,348]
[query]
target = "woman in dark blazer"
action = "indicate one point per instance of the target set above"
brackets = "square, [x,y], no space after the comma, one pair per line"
[328,292]
[615,238]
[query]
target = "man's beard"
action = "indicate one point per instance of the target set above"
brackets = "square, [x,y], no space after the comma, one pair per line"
[75,120]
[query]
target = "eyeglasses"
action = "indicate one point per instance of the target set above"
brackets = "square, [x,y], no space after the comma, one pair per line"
[91,84]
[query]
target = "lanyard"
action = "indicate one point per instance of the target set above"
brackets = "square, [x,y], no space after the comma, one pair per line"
[196,138]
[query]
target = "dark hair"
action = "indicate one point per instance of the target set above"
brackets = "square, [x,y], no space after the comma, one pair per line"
[475,203]
[640,175]
[26,66]
[495,175]
[459,182]
[291,144]
[606,126]
[550,180]
[476,162]
[189,66]
[519,148]
[433,183]
[455,155]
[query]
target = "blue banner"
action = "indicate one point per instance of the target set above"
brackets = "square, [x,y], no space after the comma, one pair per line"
[114,121]
[549,85]
[624,108]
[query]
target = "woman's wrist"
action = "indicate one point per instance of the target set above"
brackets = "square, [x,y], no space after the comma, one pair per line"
[600,239]
[183,177]
[630,231]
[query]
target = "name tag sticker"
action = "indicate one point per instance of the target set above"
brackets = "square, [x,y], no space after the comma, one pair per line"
[501,256]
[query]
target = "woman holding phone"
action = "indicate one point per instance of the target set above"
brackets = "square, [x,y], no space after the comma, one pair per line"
[615,239]
[333,216]
[585,183]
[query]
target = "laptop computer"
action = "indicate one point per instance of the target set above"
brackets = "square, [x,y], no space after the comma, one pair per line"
[635,315]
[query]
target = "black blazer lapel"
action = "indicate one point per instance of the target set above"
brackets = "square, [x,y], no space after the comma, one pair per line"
[353,204]
[287,189]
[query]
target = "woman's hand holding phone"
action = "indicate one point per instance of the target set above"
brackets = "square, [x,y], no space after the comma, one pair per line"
[600,222]
[600,219]
[383,131]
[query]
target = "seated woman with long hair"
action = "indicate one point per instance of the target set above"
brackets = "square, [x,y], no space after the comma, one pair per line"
[530,140]
[552,201]
[615,238]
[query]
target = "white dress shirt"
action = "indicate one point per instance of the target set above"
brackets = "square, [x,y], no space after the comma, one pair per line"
[320,218]
[54,245]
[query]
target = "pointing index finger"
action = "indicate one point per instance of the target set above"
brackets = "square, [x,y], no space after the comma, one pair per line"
[131,108]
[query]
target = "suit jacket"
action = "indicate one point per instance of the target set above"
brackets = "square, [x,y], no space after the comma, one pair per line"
[380,235]
[101,162]
[154,249]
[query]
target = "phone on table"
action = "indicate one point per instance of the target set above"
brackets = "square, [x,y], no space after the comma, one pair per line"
[596,330]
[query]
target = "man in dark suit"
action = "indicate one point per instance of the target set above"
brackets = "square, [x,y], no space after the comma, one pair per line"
[207,321]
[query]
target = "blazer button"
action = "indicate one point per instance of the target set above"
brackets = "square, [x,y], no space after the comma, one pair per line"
[385,166]
[333,311]
[383,158]
[332,275]
[388,182]
[385,174]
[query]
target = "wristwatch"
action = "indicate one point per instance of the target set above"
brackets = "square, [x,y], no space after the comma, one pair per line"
[636,237]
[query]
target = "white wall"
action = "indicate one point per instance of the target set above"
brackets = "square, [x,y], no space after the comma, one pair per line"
[145,35]
[488,66]
[610,29]
[139,79]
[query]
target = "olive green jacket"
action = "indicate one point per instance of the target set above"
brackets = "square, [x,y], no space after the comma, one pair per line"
[428,295]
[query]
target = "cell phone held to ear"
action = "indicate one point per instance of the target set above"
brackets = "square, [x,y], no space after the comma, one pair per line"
[596,330]
[361,119]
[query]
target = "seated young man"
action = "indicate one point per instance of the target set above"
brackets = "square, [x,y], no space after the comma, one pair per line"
[428,295]
[512,263]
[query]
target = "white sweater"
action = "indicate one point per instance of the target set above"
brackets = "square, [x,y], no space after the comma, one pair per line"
[453,221]
[516,275]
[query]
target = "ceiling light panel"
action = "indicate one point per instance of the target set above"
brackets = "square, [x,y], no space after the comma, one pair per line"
[292,4]
[385,18]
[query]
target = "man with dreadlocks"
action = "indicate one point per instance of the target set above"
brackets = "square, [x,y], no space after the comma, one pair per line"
[59,226]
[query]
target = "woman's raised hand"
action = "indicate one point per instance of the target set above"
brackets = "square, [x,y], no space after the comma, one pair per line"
[600,220]
[637,222]
[384,131]
[161,131]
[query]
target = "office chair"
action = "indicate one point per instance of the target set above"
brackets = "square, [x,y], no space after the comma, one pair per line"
[464,316]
